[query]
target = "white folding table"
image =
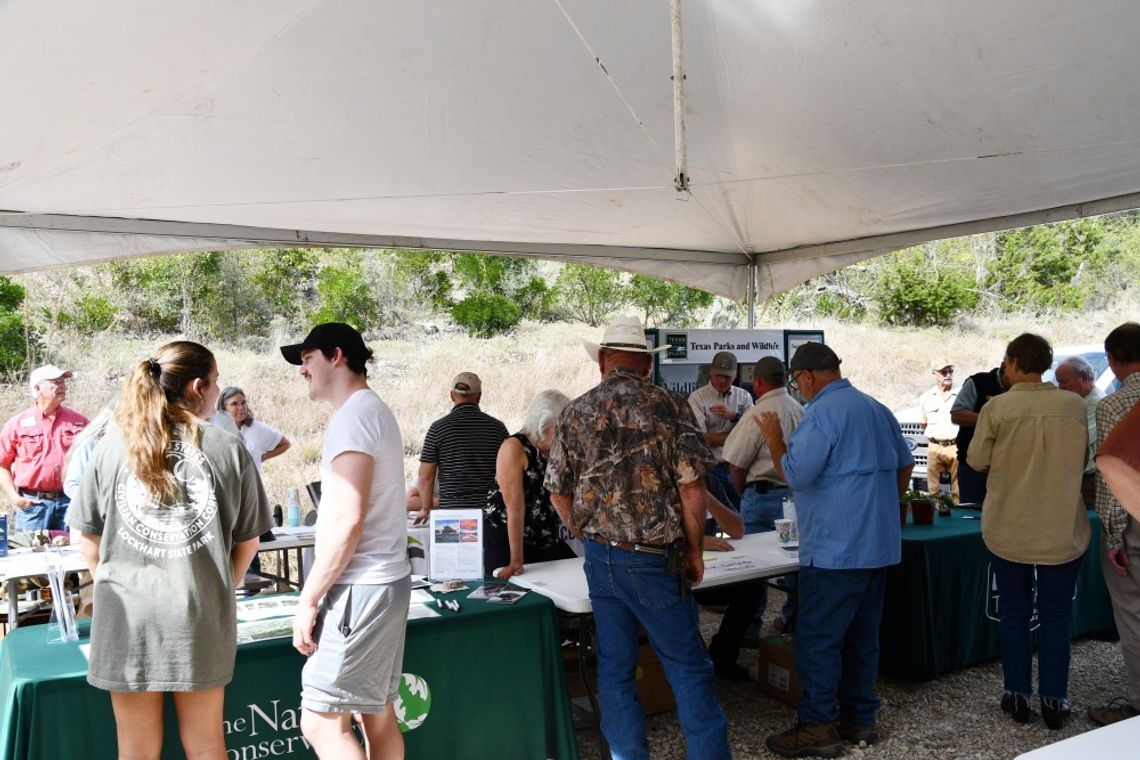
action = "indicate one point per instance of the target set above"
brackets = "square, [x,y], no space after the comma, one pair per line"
[1111,741]
[756,556]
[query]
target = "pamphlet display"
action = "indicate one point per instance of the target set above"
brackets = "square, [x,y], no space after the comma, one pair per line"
[456,544]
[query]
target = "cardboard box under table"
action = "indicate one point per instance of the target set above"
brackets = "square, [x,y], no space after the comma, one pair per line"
[653,688]
[494,672]
[777,669]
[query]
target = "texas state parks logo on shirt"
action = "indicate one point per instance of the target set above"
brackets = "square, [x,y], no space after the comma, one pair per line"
[177,529]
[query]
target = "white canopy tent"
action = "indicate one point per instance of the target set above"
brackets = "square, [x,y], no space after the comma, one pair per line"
[817,132]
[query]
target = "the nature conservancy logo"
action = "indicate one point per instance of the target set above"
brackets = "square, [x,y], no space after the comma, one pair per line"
[413,702]
[169,530]
[272,729]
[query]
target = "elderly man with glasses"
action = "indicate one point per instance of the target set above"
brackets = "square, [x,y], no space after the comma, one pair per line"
[33,445]
[941,433]
[1075,374]
[847,464]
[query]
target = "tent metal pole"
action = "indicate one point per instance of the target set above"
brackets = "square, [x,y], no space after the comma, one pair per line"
[751,295]
[681,175]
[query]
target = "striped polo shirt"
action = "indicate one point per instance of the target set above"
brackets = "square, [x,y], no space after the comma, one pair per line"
[464,445]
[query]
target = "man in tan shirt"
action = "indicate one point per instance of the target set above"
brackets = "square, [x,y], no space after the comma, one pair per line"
[934,408]
[1033,441]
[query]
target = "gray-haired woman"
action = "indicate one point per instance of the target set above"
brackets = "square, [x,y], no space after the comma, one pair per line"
[261,441]
[520,525]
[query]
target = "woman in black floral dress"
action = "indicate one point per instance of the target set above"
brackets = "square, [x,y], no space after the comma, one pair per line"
[520,525]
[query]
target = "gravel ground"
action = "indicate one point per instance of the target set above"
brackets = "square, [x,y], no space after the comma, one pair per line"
[953,716]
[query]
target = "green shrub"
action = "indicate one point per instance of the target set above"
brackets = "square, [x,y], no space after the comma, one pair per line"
[90,314]
[912,290]
[485,315]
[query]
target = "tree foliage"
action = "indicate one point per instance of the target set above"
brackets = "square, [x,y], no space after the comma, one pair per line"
[667,304]
[1050,266]
[13,343]
[589,294]
[343,295]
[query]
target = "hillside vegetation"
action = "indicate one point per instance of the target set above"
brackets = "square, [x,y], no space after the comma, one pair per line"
[412,370]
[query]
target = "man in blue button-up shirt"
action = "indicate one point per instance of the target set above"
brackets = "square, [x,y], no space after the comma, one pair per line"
[848,465]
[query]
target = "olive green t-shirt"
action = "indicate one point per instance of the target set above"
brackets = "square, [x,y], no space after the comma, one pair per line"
[164,616]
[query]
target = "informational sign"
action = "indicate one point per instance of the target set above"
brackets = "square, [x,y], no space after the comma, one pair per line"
[700,346]
[684,366]
[456,545]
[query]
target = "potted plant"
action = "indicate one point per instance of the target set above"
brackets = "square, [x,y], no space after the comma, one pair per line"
[921,507]
[944,502]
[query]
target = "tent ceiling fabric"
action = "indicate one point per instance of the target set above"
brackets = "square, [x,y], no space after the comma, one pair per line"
[818,133]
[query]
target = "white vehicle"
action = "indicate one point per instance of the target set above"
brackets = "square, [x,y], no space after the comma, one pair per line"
[910,422]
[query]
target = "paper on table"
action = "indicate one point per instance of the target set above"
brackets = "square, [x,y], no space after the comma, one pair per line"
[300,531]
[419,596]
[421,611]
[263,608]
[729,565]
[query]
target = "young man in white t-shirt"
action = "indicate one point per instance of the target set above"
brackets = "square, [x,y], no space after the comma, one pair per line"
[354,606]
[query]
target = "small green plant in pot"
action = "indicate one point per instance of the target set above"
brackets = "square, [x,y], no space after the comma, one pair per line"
[921,507]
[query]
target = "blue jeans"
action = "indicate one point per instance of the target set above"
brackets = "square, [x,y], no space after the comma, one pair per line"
[837,643]
[760,512]
[1055,587]
[628,590]
[49,514]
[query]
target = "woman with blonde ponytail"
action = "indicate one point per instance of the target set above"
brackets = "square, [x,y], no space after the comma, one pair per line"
[170,513]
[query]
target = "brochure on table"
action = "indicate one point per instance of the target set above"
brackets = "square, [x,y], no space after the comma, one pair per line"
[456,544]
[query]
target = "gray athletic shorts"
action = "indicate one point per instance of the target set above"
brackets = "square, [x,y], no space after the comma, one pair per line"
[360,648]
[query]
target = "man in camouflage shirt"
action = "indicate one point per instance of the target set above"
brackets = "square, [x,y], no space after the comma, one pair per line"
[625,473]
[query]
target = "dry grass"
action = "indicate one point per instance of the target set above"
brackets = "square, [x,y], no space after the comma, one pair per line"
[413,372]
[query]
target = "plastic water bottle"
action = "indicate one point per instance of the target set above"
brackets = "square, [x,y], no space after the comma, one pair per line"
[3,535]
[293,506]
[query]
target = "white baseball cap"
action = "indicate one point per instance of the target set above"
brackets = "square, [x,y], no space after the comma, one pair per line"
[46,372]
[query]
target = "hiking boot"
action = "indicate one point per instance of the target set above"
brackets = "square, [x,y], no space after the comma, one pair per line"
[1116,710]
[806,740]
[1055,712]
[1017,705]
[853,733]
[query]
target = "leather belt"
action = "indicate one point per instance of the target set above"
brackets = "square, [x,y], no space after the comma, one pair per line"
[628,546]
[942,441]
[764,486]
[56,494]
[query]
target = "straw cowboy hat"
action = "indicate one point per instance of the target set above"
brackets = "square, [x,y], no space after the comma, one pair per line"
[623,334]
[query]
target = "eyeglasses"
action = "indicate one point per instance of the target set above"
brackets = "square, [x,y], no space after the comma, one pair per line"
[944,372]
[793,381]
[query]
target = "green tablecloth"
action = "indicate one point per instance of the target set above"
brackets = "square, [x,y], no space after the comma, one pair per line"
[941,603]
[495,673]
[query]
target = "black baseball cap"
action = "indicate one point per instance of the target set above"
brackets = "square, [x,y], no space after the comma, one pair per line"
[327,336]
[814,356]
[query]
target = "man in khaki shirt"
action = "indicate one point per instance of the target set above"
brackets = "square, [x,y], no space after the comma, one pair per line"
[1033,440]
[934,408]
